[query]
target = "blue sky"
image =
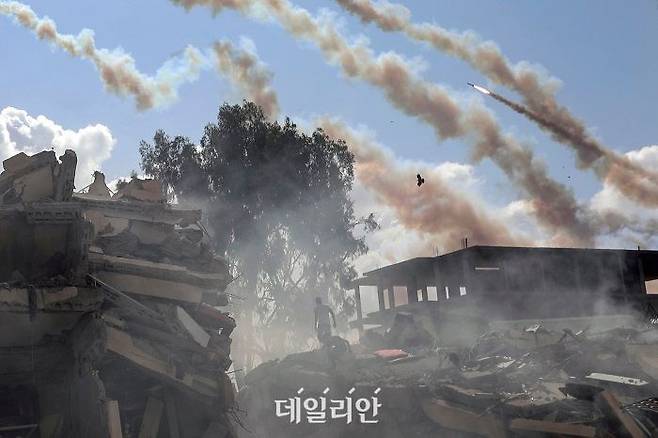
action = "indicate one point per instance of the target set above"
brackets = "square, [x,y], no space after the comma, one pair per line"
[605,52]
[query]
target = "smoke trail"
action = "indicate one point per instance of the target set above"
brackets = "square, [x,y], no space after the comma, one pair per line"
[483,56]
[117,69]
[247,73]
[552,202]
[434,208]
[120,76]
[617,170]
[538,92]
[430,103]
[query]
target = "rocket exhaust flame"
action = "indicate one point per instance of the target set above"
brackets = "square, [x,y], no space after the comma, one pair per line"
[479,88]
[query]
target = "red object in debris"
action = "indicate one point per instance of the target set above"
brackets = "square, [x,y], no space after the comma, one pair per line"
[391,354]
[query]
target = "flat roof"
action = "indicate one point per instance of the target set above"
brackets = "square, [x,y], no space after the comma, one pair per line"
[420,264]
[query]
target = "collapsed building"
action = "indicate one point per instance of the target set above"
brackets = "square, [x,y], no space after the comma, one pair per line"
[109,310]
[485,341]
[111,327]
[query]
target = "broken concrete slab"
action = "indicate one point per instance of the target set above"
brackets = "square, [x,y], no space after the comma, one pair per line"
[149,233]
[172,416]
[153,287]
[113,419]
[613,378]
[151,419]
[213,318]
[148,190]
[145,268]
[135,350]
[137,210]
[195,330]
[37,177]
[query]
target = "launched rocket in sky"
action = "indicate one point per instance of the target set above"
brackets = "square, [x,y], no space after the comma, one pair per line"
[480,89]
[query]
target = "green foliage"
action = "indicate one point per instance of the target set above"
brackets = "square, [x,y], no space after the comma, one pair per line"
[277,201]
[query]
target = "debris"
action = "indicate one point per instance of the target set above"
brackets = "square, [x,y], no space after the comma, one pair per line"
[391,354]
[623,424]
[172,415]
[407,332]
[581,391]
[148,190]
[113,419]
[107,310]
[616,379]
[151,419]
[503,383]
[199,335]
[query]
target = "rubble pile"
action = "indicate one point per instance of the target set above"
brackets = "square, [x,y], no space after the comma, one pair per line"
[109,314]
[568,377]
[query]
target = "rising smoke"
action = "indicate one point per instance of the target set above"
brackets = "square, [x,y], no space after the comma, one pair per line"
[434,105]
[537,90]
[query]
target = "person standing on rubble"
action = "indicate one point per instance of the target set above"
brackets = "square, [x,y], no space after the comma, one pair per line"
[322,323]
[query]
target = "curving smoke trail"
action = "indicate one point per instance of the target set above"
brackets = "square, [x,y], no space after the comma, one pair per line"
[538,91]
[120,76]
[435,209]
[557,210]
[247,73]
[116,68]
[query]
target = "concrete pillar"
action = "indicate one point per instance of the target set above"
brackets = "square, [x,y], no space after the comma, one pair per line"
[359,314]
[412,290]
[380,297]
[437,281]
[391,296]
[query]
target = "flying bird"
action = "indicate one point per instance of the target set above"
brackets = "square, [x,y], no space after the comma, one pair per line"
[420,179]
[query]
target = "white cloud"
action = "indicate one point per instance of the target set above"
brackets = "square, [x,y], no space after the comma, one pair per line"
[459,176]
[519,216]
[22,132]
[392,242]
[639,220]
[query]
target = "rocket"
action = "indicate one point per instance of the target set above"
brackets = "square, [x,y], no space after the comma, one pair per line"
[479,88]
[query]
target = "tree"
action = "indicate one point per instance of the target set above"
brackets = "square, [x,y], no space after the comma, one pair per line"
[277,202]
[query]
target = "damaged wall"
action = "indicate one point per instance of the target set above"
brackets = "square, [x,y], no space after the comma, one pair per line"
[108,309]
